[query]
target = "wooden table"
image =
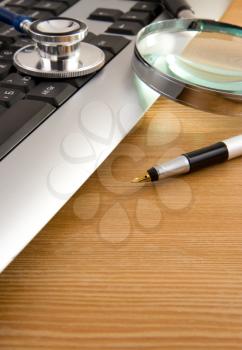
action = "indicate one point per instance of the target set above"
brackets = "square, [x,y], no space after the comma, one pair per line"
[138,267]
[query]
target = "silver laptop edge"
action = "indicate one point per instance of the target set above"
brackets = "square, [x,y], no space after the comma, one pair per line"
[47,168]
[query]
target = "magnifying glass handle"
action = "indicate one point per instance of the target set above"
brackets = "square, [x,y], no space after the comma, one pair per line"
[13,19]
[175,7]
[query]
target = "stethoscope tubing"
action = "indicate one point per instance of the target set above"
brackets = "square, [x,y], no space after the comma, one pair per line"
[13,19]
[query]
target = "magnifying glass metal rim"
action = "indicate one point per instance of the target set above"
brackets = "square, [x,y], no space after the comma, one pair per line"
[177,89]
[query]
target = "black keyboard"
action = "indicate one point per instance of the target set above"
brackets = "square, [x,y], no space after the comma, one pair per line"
[26,102]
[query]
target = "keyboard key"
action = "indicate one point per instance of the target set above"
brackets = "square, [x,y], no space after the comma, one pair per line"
[21,3]
[111,43]
[105,14]
[21,41]
[9,96]
[1,45]
[153,8]
[2,110]
[90,37]
[54,93]
[125,28]
[19,121]
[4,69]
[53,6]
[36,14]
[8,34]
[80,81]
[157,1]
[19,10]
[69,2]
[6,55]
[21,82]
[143,18]
[108,56]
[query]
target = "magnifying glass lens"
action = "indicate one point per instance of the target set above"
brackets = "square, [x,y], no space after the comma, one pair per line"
[208,59]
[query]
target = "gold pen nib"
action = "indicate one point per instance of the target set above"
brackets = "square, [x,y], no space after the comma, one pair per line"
[145,178]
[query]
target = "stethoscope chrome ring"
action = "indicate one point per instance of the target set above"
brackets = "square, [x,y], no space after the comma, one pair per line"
[57,30]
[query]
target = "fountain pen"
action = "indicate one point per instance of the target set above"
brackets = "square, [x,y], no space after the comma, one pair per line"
[196,160]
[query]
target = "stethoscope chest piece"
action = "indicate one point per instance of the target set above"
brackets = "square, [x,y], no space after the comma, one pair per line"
[58,50]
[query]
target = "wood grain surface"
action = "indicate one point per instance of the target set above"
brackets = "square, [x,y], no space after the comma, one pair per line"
[138,267]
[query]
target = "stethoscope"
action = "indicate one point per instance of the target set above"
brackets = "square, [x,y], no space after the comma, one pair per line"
[58,50]
[197,62]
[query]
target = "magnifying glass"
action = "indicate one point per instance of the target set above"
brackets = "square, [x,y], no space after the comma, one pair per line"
[57,50]
[197,62]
